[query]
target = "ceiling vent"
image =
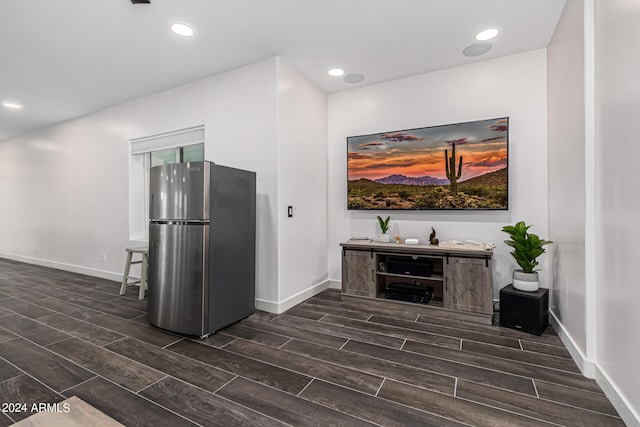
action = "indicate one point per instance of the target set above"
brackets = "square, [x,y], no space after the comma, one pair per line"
[141,1]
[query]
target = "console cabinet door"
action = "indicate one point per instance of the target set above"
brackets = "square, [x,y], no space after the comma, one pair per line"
[358,273]
[468,285]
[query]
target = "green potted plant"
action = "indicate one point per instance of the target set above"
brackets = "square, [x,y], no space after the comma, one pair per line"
[384,236]
[526,248]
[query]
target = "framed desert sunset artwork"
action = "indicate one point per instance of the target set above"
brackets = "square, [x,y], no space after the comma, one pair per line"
[455,166]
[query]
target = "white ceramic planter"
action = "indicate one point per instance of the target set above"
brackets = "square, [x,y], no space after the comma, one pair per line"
[527,282]
[384,237]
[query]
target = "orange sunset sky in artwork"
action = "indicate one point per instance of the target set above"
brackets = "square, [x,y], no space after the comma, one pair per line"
[421,152]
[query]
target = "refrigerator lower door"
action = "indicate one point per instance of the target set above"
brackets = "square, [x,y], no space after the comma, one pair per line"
[179,278]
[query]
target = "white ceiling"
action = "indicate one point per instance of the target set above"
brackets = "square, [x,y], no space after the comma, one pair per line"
[65,58]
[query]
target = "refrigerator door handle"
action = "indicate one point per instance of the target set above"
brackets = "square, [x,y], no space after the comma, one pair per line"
[178,222]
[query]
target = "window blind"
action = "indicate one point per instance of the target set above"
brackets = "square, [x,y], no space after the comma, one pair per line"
[178,138]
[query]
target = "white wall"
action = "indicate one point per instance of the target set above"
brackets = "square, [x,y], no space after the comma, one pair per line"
[618,204]
[60,202]
[566,129]
[513,86]
[65,188]
[592,192]
[302,184]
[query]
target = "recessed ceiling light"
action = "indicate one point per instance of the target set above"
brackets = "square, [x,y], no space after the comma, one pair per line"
[336,72]
[182,30]
[487,34]
[12,105]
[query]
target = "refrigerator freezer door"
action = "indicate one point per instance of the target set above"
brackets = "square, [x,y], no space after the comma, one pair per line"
[178,278]
[179,191]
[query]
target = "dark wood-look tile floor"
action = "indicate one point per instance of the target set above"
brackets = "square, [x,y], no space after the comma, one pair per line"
[325,362]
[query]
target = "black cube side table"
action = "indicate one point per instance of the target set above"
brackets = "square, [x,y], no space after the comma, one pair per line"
[524,311]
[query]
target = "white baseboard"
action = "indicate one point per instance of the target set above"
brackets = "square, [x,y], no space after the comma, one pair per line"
[268,306]
[587,366]
[623,406]
[63,266]
[292,301]
[335,284]
[591,369]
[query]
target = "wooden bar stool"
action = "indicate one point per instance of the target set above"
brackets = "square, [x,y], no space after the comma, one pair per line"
[142,281]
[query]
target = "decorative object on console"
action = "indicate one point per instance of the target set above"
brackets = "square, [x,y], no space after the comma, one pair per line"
[398,238]
[467,244]
[403,170]
[384,227]
[433,240]
[411,241]
[526,248]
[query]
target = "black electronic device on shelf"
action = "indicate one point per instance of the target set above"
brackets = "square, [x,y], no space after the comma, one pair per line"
[410,267]
[410,292]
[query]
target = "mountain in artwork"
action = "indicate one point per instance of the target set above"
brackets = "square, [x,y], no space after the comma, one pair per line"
[409,180]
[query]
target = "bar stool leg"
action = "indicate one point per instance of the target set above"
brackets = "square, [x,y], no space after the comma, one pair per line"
[143,276]
[125,278]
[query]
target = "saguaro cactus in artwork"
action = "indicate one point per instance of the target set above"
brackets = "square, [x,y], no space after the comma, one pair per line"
[450,167]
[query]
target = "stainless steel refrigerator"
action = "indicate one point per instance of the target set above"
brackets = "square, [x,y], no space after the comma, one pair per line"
[202,232]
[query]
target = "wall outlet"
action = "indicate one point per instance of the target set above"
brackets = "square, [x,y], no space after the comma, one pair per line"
[104,257]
